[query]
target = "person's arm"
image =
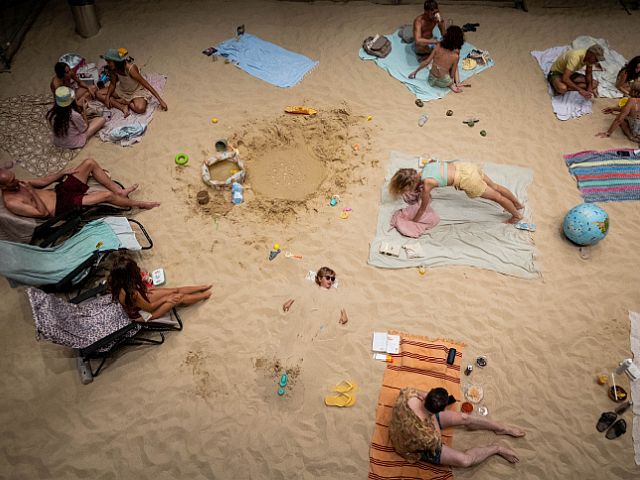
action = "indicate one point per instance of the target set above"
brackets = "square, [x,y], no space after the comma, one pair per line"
[425,199]
[621,81]
[566,78]
[455,73]
[113,80]
[617,122]
[423,64]
[34,209]
[419,37]
[135,74]
[589,76]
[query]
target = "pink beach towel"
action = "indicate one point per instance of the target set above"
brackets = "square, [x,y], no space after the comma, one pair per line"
[402,220]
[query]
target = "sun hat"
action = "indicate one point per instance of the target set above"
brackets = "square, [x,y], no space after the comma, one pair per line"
[598,51]
[116,54]
[64,96]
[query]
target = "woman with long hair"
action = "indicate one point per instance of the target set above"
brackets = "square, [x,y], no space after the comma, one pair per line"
[628,75]
[65,77]
[71,129]
[142,303]
[128,89]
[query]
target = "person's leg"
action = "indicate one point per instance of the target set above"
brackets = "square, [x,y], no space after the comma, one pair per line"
[95,124]
[558,85]
[90,167]
[117,200]
[138,105]
[504,202]
[191,298]
[473,456]
[503,191]
[449,418]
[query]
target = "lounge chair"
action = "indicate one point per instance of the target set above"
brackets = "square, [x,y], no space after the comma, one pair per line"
[67,266]
[96,328]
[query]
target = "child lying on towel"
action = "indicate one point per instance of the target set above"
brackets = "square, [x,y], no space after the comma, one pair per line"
[464,176]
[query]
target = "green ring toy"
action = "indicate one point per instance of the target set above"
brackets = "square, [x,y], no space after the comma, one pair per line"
[182,159]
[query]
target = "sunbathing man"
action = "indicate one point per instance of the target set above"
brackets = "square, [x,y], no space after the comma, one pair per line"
[423,27]
[563,75]
[30,199]
[415,430]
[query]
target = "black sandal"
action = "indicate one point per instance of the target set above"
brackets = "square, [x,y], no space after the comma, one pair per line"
[606,420]
[617,429]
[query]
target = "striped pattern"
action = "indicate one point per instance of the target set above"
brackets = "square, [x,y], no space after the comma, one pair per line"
[421,363]
[608,176]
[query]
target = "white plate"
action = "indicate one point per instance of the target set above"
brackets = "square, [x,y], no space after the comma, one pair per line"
[474,393]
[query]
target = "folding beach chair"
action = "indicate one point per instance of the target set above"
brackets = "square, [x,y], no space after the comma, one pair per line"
[67,266]
[96,329]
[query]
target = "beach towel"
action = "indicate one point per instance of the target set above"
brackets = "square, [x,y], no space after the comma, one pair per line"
[607,176]
[127,131]
[569,105]
[266,61]
[634,318]
[611,65]
[403,60]
[421,363]
[470,231]
[25,134]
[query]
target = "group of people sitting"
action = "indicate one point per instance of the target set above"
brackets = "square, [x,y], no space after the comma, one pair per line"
[127,90]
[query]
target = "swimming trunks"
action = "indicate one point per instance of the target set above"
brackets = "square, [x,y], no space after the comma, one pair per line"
[469,178]
[69,194]
[432,170]
[441,82]
[552,74]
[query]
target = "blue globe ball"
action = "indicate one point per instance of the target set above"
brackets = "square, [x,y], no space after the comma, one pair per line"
[586,224]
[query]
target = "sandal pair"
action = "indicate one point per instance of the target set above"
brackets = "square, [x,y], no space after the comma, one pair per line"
[615,428]
[344,395]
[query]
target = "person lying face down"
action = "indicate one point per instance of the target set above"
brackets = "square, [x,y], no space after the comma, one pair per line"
[467,177]
[325,278]
[416,423]
[423,26]
[563,75]
[29,198]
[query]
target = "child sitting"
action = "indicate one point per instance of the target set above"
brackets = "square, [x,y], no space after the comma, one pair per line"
[463,176]
[628,117]
[143,304]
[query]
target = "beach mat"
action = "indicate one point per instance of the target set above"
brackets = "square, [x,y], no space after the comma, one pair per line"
[421,363]
[606,176]
[470,231]
[25,134]
[266,61]
[127,131]
[635,386]
[403,60]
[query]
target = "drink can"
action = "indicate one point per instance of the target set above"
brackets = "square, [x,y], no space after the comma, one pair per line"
[468,370]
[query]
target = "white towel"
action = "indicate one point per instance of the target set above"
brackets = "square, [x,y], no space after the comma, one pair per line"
[611,65]
[635,386]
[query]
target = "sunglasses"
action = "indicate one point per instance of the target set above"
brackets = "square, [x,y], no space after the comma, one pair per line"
[327,277]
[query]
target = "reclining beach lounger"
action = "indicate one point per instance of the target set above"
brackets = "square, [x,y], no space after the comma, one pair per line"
[96,328]
[66,266]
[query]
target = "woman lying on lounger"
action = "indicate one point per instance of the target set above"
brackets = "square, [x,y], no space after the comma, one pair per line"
[464,176]
[444,71]
[143,304]
[325,278]
[628,116]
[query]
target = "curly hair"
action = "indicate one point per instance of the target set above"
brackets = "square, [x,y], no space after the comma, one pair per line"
[453,38]
[403,181]
[125,275]
[436,400]
[324,272]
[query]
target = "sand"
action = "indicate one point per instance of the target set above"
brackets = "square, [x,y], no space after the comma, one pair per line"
[204,404]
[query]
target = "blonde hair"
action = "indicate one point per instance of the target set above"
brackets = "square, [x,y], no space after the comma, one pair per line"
[634,90]
[323,272]
[403,181]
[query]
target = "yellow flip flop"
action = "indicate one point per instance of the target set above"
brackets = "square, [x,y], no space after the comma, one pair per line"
[345,386]
[339,400]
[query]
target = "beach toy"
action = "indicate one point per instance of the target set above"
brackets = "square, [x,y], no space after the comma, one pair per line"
[203,197]
[483,133]
[301,110]
[603,378]
[449,113]
[356,148]
[214,119]
[422,269]
[469,64]
[221,145]
[344,215]
[623,101]
[99,244]
[586,224]
[231,155]
[369,118]
[283,380]
[471,121]
[281,391]
[182,159]
[419,103]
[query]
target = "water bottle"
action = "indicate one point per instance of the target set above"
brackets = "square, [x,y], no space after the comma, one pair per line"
[237,196]
[422,120]
[623,366]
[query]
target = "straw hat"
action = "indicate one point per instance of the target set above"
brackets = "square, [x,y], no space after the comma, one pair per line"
[64,96]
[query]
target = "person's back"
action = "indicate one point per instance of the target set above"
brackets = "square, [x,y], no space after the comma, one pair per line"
[572,60]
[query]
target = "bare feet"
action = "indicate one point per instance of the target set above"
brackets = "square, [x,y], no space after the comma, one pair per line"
[514,219]
[287,305]
[125,111]
[455,88]
[512,431]
[205,288]
[508,454]
[147,205]
[127,191]
[519,206]
[343,317]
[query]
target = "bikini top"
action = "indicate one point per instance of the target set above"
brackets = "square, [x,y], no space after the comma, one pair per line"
[432,170]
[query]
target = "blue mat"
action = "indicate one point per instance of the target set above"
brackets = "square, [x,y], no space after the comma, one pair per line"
[266,61]
[402,61]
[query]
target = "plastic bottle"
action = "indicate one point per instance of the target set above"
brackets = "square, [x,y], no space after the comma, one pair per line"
[422,120]
[623,366]
[237,196]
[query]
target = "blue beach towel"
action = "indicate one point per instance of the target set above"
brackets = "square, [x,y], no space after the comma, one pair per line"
[266,61]
[403,60]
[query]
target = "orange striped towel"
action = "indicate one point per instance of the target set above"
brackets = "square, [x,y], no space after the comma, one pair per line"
[421,363]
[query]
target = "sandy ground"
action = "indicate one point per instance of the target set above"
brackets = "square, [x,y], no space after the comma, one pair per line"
[204,404]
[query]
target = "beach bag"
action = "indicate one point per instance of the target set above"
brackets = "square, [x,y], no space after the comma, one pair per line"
[378,46]
[405,32]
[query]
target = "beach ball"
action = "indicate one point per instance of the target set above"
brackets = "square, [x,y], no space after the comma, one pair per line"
[586,224]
